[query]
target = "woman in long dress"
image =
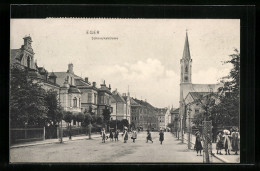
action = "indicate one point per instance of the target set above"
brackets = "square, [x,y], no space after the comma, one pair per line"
[219,142]
[103,135]
[227,143]
[235,140]
[125,135]
[198,145]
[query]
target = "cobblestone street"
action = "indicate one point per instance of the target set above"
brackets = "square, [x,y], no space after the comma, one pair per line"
[85,150]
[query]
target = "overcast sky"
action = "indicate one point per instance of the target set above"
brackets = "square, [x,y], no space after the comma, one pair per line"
[146,55]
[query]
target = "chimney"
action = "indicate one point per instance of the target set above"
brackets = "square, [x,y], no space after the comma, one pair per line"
[109,87]
[94,84]
[86,79]
[70,68]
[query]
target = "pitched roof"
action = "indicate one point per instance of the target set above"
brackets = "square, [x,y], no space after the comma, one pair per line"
[133,102]
[118,98]
[186,51]
[198,95]
[175,111]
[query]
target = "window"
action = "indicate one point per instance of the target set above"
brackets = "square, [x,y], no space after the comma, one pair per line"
[89,97]
[186,68]
[74,122]
[102,100]
[75,102]
[28,62]
[95,98]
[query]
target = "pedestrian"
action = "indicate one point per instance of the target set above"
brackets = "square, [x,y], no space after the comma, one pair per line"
[116,135]
[134,135]
[219,141]
[125,135]
[149,136]
[198,145]
[103,135]
[235,140]
[111,136]
[161,134]
[227,143]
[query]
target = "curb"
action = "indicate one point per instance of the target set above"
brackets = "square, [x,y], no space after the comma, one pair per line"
[43,143]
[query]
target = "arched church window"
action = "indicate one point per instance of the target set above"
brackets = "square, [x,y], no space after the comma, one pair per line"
[186,68]
[75,102]
[186,78]
[28,62]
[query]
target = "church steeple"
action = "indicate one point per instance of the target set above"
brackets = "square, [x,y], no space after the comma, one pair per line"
[186,51]
[186,62]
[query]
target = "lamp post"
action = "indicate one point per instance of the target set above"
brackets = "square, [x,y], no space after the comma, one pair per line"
[182,138]
[189,135]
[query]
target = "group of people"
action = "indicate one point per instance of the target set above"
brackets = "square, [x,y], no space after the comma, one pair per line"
[114,135]
[225,140]
[228,141]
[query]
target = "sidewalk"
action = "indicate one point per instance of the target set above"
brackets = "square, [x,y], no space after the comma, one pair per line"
[224,158]
[52,141]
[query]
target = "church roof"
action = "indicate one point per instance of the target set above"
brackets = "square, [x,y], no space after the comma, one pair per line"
[186,51]
[198,95]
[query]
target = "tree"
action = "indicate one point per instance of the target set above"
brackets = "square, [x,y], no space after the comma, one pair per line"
[87,122]
[228,107]
[54,114]
[106,116]
[68,116]
[125,122]
[79,117]
[27,104]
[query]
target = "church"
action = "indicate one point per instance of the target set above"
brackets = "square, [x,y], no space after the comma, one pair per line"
[186,86]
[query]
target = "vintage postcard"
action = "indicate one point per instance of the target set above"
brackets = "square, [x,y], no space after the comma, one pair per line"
[106,90]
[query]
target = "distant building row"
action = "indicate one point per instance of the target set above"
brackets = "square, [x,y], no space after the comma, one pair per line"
[77,94]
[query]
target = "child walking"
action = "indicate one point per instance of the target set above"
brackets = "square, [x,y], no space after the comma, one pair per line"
[149,137]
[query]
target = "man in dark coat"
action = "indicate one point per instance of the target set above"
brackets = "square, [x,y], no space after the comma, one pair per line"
[161,136]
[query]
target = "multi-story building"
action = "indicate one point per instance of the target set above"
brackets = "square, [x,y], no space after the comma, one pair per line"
[143,114]
[121,106]
[104,99]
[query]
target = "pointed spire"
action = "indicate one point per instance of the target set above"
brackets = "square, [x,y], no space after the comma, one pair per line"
[186,51]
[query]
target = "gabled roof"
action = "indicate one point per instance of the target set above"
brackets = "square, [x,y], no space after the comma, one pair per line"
[118,98]
[133,102]
[198,95]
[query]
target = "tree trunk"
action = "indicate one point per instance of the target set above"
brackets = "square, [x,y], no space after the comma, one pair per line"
[89,131]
